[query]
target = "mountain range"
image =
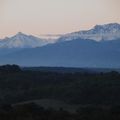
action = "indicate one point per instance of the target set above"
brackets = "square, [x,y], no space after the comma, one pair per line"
[21,40]
[99,32]
[97,47]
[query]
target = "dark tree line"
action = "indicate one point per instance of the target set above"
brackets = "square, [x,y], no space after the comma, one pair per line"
[9,68]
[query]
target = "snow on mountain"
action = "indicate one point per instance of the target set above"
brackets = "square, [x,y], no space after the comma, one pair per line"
[99,32]
[21,40]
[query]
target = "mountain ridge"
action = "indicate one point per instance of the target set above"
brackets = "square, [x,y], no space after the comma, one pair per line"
[109,31]
[21,40]
[77,52]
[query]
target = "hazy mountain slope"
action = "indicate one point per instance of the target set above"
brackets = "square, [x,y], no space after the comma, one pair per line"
[76,53]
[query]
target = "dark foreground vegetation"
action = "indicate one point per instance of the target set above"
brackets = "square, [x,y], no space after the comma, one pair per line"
[32,111]
[94,96]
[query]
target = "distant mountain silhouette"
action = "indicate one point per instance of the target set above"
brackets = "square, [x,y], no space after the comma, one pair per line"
[75,53]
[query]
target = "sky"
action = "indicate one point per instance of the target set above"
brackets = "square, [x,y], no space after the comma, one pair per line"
[55,16]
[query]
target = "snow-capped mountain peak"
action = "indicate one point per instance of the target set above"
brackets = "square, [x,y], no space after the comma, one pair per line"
[106,28]
[21,40]
[99,32]
[20,33]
